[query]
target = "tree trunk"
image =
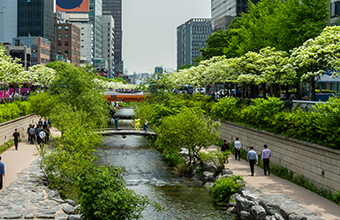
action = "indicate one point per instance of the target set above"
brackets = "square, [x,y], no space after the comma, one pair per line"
[298,92]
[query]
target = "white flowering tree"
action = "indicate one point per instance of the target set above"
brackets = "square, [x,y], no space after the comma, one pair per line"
[10,70]
[317,55]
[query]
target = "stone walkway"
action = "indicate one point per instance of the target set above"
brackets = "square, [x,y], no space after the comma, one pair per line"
[280,190]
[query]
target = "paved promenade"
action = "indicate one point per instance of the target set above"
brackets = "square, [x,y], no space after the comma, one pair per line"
[272,185]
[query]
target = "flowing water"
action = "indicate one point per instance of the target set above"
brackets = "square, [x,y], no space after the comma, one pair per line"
[147,174]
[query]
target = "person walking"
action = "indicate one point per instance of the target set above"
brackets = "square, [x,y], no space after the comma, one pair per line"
[28,133]
[116,123]
[252,157]
[137,123]
[47,131]
[37,132]
[266,154]
[237,145]
[2,173]
[145,124]
[16,137]
[42,135]
[224,148]
[32,134]
[40,123]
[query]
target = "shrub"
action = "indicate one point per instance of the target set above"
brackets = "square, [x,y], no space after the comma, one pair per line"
[224,188]
[173,159]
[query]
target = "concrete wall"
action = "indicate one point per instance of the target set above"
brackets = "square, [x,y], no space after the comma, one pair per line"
[300,157]
[22,123]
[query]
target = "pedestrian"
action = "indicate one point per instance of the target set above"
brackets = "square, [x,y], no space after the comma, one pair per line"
[224,148]
[42,135]
[47,131]
[37,131]
[2,173]
[28,133]
[266,154]
[145,124]
[237,145]
[32,134]
[40,123]
[252,157]
[16,137]
[137,123]
[45,123]
[116,123]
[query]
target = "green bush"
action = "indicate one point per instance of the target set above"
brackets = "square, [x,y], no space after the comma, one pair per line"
[224,188]
[6,145]
[10,111]
[173,159]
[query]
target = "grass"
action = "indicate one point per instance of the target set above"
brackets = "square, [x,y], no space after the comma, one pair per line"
[6,146]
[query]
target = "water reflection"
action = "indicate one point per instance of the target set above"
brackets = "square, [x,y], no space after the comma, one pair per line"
[147,174]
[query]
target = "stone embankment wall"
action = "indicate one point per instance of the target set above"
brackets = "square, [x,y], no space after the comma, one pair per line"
[7,128]
[318,163]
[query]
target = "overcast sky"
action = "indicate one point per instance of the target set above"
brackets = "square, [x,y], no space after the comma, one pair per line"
[149,31]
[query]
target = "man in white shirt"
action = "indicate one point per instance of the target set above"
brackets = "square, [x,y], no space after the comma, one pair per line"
[237,145]
[42,135]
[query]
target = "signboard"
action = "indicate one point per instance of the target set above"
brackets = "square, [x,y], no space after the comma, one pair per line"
[72,5]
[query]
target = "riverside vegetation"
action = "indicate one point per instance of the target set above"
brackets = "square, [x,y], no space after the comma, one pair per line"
[171,116]
[76,108]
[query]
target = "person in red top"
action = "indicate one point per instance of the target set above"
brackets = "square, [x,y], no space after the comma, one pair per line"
[266,154]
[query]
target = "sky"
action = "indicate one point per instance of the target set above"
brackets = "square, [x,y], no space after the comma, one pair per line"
[149,31]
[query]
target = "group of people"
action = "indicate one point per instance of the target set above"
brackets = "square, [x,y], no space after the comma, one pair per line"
[137,123]
[40,132]
[252,157]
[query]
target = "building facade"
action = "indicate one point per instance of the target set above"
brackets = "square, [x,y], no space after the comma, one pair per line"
[40,48]
[68,42]
[108,40]
[114,8]
[191,37]
[36,18]
[223,12]
[95,16]
[21,52]
[8,20]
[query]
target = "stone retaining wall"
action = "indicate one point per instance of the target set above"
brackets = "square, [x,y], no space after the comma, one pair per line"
[318,163]
[7,128]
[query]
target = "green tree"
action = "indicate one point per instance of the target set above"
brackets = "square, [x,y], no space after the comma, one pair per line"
[189,129]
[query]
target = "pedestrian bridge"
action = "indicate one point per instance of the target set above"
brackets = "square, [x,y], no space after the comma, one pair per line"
[128,132]
[124,98]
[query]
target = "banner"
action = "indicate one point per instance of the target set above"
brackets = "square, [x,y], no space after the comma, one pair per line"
[72,5]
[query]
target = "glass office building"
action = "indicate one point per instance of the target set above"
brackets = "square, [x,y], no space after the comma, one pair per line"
[114,8]
[36,18]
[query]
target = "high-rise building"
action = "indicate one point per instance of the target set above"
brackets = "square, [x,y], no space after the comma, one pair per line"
[8,20]
[68,42]
[108,40]
[36,18]
[114,8]
[191,37]
[223,12]
[95,15]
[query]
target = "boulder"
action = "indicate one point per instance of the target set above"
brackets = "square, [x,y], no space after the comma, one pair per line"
[296,217]
[53,193]
[184,152]
[243,204]
[232,204]
[68,209]
[278,216]
[285,213]
[209,166]
[74,217]
[244,215]
[227,171]
[219,176]
[270,217]
[208,185]
[208,176]
[270,208]
[248,195]
[71,202]
[257,212]
[232,210]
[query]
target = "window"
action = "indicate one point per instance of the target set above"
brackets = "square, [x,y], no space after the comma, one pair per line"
[42,51]
[66,28]
[59,51]
[59,36]
[42,60]
[59,28]
[59,43]
[47,52]
[66,43]
[66,52]
[66,35]
[43,41]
